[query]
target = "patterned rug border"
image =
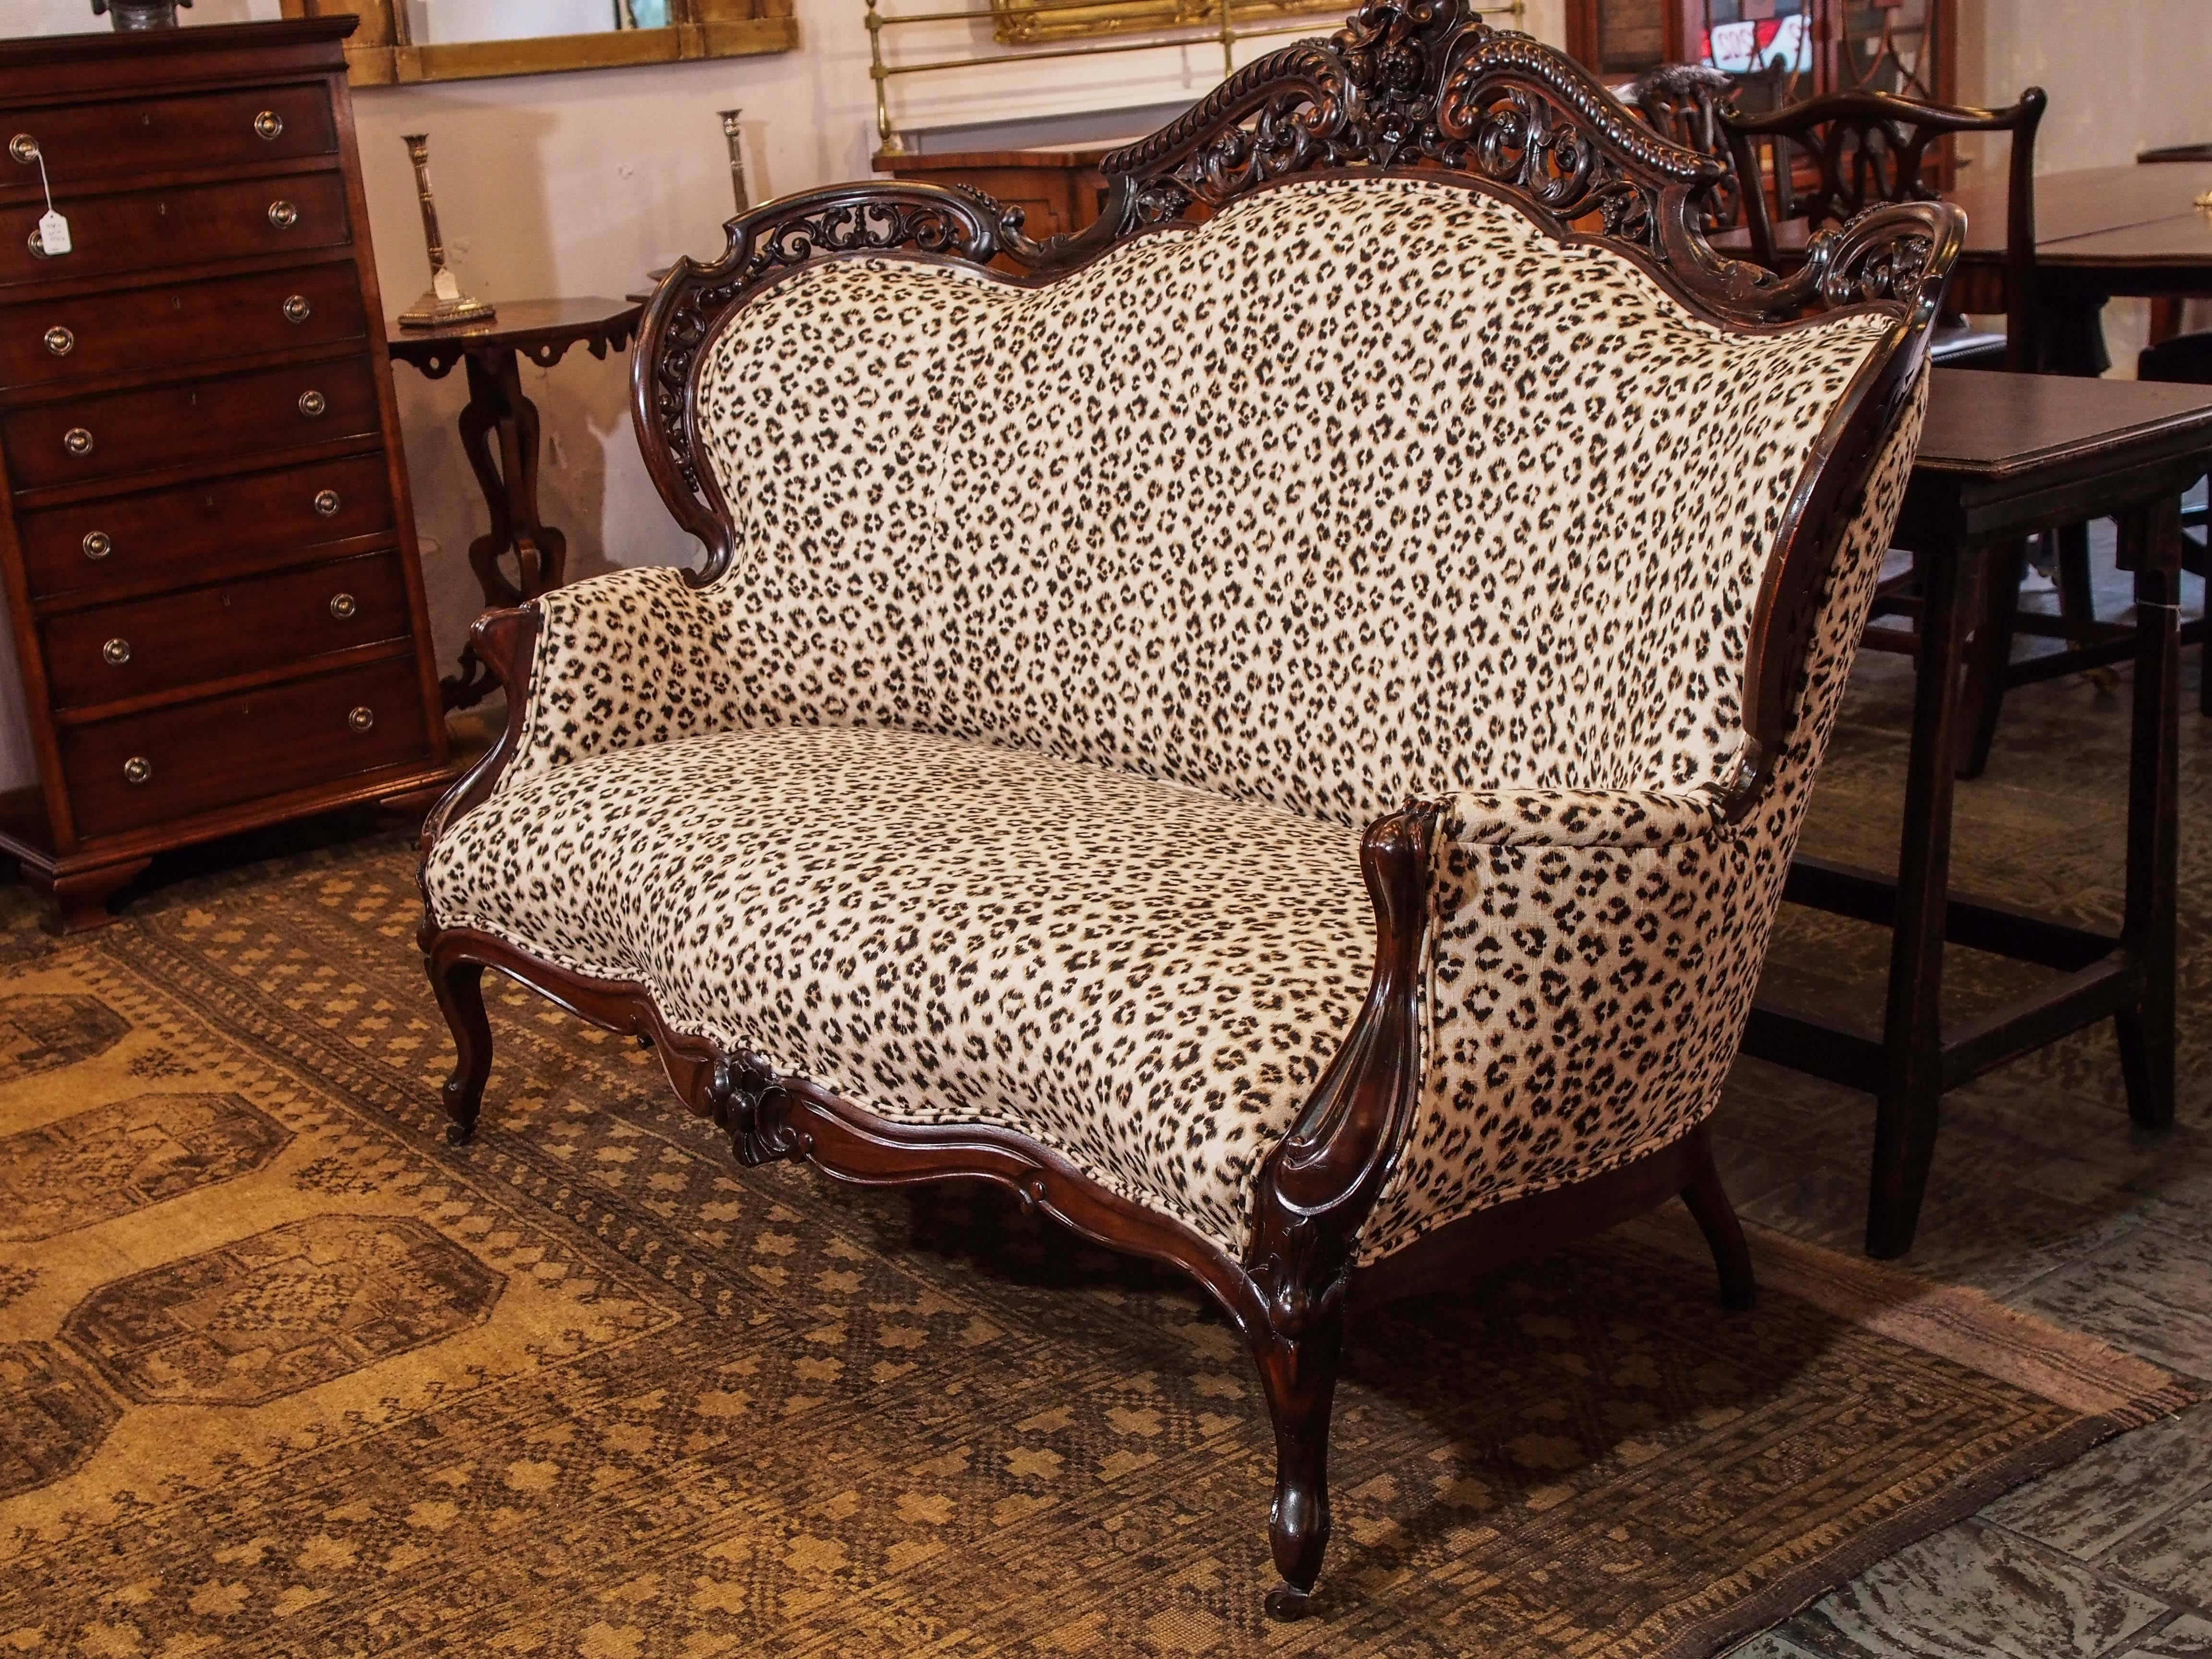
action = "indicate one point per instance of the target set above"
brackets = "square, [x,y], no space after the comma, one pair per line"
[2115,1391]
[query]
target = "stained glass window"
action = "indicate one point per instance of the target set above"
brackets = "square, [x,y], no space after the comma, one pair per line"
[1745,36]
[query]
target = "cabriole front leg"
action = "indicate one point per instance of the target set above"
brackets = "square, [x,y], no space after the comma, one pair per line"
[1299,1373]
[459,988]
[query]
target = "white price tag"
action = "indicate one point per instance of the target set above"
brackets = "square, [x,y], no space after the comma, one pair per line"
[53,234]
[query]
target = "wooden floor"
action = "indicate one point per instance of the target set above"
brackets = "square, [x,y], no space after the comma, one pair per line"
[2042,1194]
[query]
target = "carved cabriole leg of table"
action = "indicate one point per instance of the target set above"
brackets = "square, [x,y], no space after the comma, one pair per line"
[498,409]
[2150,545]
[1911,1092]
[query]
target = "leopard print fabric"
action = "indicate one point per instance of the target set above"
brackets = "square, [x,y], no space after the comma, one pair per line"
[1146,978]
[1364,490]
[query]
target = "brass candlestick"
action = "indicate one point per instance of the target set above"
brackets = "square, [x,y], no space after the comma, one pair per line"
[130,16]
[445,303]
[734,134]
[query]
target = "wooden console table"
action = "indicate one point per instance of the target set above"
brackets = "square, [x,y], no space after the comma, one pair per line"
[2002,457]
[542,330]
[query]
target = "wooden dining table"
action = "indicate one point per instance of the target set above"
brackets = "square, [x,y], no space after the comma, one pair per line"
[2002,457]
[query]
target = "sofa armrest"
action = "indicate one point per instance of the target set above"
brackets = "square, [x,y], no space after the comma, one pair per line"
[623,661]
[1591,959]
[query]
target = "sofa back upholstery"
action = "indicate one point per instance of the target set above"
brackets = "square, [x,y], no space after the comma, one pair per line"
[1365,488]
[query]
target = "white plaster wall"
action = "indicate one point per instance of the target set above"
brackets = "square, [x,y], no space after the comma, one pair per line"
[2124,76]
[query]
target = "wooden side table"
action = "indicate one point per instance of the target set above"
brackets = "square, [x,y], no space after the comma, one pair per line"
[544,331]
[2002,457]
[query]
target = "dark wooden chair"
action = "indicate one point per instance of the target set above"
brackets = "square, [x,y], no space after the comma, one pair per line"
[1682,102]
[1822,162]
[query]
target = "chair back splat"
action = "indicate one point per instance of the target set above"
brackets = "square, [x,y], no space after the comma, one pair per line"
[1865,150]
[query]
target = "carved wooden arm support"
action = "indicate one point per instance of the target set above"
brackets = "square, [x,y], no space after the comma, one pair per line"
[1318,1185]
[506,642]
[1423,865]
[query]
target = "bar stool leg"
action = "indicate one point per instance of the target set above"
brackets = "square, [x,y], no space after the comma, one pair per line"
[1991,658]
[2077,598]
[1911,1099]
[2150,545]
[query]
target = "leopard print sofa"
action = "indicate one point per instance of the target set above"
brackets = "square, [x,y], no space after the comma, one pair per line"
[1013,773]
[1275,732]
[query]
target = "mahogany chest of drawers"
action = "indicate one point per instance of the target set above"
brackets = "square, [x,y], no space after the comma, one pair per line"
[207,550]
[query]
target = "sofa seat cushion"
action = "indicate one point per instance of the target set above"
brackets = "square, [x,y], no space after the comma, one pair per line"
[1146,978]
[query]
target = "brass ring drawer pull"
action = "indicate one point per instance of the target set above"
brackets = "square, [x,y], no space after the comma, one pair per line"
[137,770]
[268,126]
[283,215]
[115,653]
[37,248]
[60,341]
[97,546]
[361,719]
[297,309]
[313,404]
[342,606]
[77,441]
[24,149]
[327,503]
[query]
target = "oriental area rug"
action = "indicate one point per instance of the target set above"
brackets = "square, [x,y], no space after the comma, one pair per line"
[281,1374]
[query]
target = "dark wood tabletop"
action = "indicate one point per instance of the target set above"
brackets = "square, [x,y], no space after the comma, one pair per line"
[523,324]
[2087,201]
[2125,210]
[1985,424]
[2184,240]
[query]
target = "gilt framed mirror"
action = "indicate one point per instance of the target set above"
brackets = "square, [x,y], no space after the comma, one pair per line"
[403,41]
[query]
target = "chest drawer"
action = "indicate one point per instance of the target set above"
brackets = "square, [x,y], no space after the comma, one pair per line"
[127,774]
[89,141]
[252,518]
[142,647]
[151,229]
[84,439]
[148,330]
